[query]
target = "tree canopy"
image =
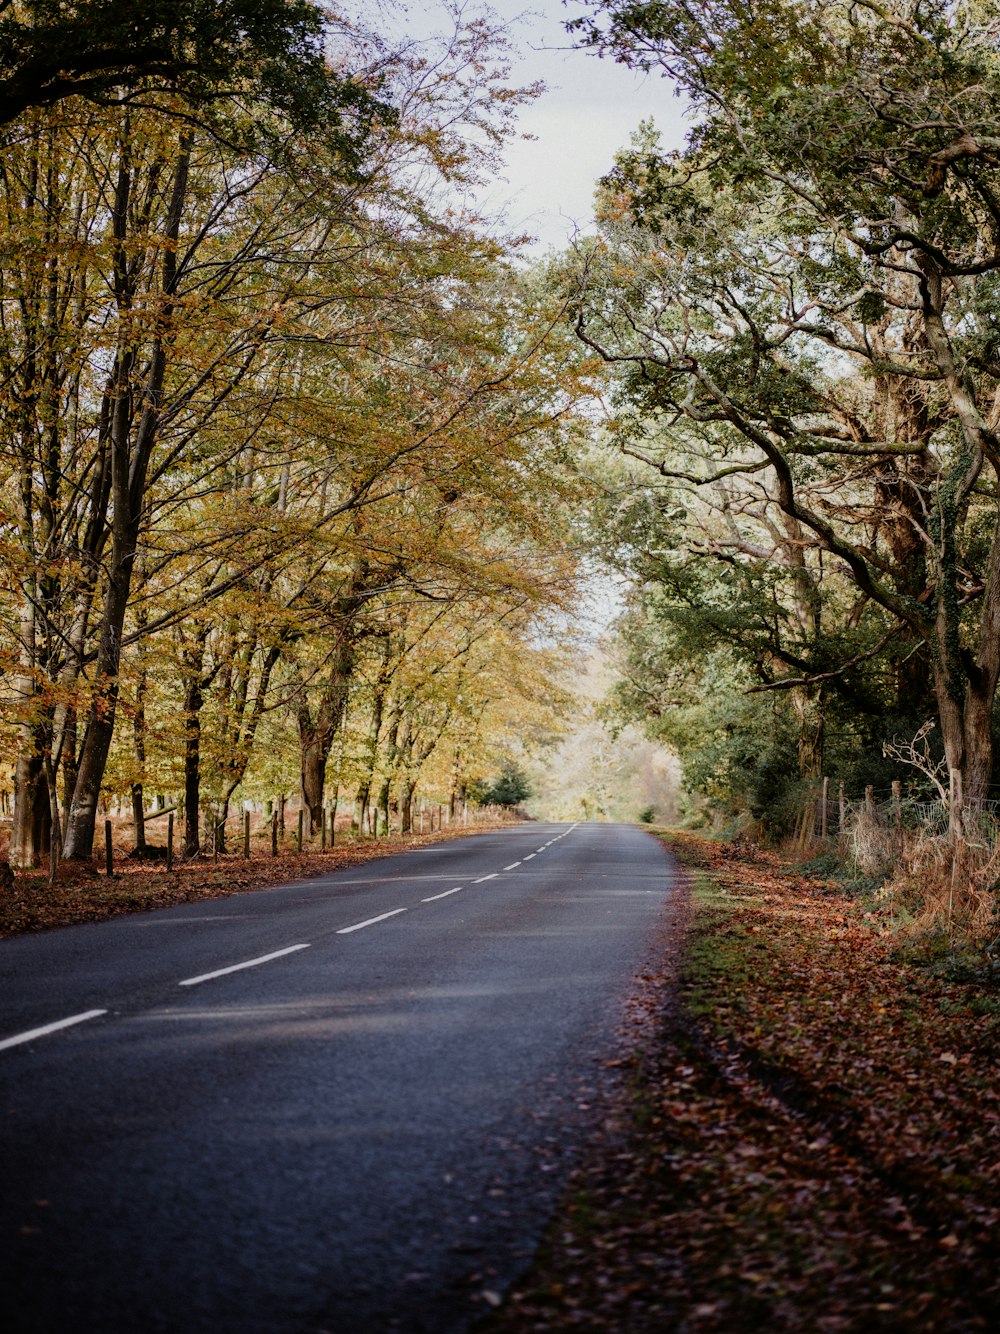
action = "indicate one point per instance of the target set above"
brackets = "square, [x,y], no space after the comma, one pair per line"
[286,447]
[802,305]
[207,52]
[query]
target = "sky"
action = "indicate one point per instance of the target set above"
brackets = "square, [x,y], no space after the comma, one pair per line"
[589,110]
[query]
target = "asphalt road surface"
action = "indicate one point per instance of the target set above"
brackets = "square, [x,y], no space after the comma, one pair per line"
[340,1105]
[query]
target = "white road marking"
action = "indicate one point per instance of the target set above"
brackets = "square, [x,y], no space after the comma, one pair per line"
[238,967]
[434,897]
[46,1029]
[511,866]
[346,930]
[483,878]
[529,856]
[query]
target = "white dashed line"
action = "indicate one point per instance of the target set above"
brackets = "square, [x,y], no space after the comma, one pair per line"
[529,856]
[434,897]
[346,930]
[484,878]
[238,967]
[46,1029]
[511,866]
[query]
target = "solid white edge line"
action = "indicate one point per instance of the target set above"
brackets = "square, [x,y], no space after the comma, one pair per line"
[434,897]
[46,1029]
[483,878]
[238,967]
[511,866]
[346,930]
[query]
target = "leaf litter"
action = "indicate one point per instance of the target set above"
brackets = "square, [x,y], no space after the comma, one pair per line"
[81,894]
[805,1138]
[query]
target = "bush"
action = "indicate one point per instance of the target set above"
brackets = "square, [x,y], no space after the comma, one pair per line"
[509,788]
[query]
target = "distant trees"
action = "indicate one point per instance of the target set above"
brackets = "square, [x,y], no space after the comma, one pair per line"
[803,308]
[510,787]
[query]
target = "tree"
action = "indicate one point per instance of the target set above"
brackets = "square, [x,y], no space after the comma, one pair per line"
[259,406]
[211,53]
[816,277]
[509,788]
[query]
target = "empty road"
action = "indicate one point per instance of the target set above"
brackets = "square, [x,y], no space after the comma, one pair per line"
[340,1105]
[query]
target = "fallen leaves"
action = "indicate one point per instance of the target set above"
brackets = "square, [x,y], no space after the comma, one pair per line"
[81,895]
[813,1135]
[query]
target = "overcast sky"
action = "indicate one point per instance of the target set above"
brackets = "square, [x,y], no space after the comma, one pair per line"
[588,112]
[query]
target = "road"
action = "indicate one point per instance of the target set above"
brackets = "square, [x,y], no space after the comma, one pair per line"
[339,1105]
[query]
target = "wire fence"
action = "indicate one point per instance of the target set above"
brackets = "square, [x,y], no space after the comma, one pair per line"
[938,861]
[829,815]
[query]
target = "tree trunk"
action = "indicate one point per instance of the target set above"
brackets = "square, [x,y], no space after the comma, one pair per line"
[407,788]
[69,760]
[453,790]
[374,732]
[316,735]
[391,764]
[966,731]
[314,753]
[29,844]
[218,813]
[382,806]
[361,805]
[55,832]
[193,701]
[809,705]
[101,721]
[130,460]
[138,789]
[31,829]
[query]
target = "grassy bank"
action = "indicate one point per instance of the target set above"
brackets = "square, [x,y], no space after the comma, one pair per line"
[810,1141]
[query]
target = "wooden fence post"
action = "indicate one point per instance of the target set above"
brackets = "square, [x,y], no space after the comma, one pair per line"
[333,826]
[246,834]
[842,807]
[808,816]
[170,842]
[870,802]
[274,833]
[302,817]
[322,828]
[109,856]
[897,815]
[956,835]
[822,817]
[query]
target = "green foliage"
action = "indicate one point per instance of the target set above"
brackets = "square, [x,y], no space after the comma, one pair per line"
[510,787]
[263,54]
[802,309]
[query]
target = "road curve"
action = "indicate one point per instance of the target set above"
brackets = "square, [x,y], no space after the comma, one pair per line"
[340,1105]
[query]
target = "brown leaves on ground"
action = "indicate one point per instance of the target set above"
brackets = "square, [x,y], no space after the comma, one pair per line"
[812,1137]
[82,893]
